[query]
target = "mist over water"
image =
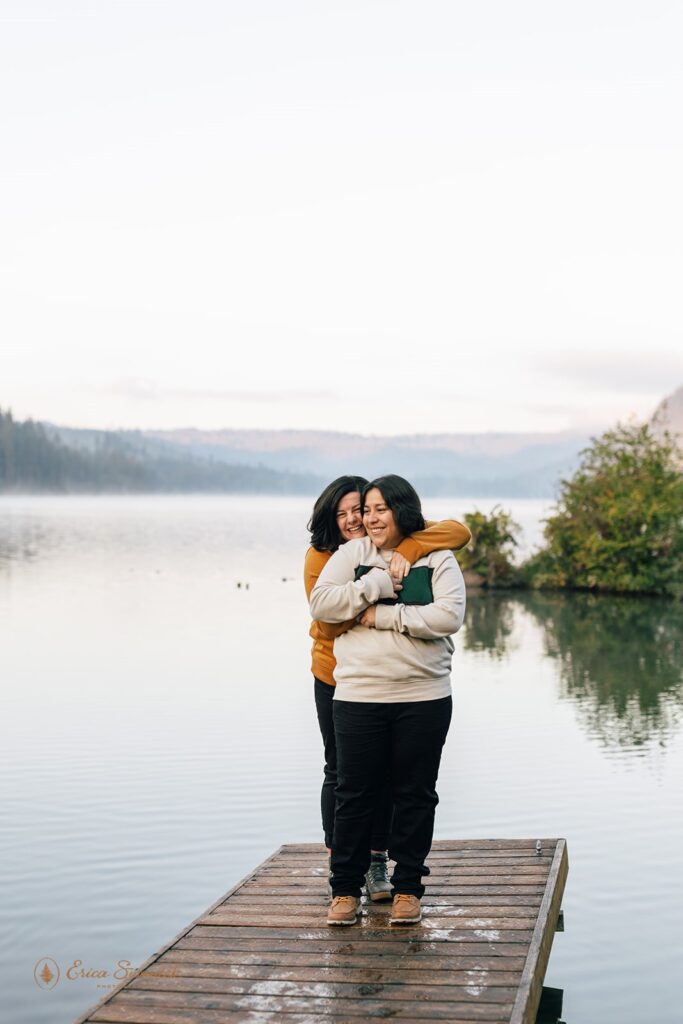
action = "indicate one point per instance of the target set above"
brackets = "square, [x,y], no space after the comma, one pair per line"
[158,739]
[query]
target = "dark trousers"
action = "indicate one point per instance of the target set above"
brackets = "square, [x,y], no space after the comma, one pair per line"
[381,817]
[409,738]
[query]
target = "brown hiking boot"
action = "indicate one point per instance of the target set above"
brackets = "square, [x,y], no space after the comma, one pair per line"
[405,909]
[343,910]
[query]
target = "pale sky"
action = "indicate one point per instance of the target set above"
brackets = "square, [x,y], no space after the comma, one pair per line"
[378,216]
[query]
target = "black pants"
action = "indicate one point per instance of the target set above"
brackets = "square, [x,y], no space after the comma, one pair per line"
[409,737]
[381,818]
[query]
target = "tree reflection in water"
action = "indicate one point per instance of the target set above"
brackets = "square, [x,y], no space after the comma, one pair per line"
[620,659]
[489,623]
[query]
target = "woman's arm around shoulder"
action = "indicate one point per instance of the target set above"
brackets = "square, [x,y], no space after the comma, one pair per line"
[447,535]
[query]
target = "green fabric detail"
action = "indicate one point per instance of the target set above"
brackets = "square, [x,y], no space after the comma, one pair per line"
[417,586]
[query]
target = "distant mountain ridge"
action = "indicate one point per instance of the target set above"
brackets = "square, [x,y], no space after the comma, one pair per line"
[508,465]
[489,443]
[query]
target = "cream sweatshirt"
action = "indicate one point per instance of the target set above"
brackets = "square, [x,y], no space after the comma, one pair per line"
[408,656]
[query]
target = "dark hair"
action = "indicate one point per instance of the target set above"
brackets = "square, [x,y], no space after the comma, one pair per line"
[403,500]
[325,533]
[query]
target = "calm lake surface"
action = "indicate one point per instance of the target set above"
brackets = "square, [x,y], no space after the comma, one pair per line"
[158,739]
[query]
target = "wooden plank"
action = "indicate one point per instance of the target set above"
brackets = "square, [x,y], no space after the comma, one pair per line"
[441,872]
[444,884]
[242,918]
[171,1015]
[499,859]
[350,972]
[446,900]
[529,995]
[361,946]
[359,1008]
[436,890]
[431,906]
[436,855]
[441,916]
[370,930]
[297,883]
[318,876]
[465,992]
[334,959]
[117,1014]
[440,845]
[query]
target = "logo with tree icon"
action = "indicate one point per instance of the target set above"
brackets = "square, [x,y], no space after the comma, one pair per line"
[46,972]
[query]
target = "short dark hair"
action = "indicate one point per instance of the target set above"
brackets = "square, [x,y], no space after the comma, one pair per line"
[323,527]
[403,500]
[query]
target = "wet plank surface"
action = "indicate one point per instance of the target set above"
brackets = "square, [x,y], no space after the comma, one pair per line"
[263,952]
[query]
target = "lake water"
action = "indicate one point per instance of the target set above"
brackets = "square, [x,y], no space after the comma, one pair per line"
[158,740]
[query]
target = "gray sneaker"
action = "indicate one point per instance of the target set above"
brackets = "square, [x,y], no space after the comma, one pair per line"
[377,884]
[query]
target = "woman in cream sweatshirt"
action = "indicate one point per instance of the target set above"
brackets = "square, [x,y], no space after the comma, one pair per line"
[337,519]
[392,701]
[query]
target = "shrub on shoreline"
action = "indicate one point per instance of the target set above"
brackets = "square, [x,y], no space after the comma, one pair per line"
[487,559]
[618,523]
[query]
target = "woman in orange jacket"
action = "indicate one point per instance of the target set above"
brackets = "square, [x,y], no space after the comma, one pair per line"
[336,518]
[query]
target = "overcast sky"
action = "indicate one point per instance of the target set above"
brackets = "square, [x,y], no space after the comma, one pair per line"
[385,217]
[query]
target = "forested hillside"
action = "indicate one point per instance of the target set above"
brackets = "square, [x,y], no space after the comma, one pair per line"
[33,458]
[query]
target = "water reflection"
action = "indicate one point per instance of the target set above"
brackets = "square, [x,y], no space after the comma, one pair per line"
[20,540]
[489,624]
[619,659]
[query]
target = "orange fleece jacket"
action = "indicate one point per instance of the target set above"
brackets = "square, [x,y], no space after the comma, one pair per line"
[449,534]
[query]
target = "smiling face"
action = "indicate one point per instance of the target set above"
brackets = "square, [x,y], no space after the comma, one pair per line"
[349,519]
[379,521]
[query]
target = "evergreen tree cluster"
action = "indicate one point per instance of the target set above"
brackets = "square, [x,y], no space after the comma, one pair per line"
[34,459]
[29,460]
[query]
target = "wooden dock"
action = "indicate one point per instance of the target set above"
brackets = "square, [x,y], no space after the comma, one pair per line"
[263,953]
